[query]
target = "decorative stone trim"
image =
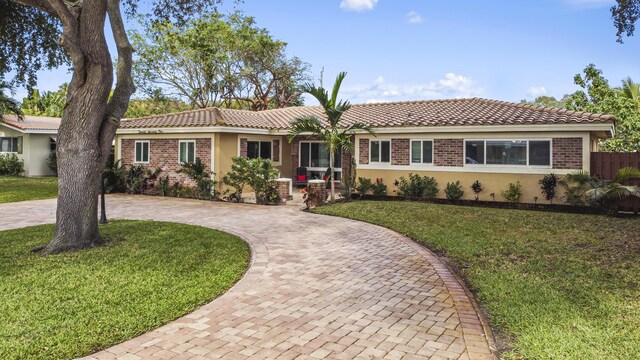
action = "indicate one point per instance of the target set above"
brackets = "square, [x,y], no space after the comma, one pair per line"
[400,152]
[363,146]
[567,153]
[448,152]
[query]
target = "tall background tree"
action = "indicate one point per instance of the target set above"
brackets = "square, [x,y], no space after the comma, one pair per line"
[218,60]
[335,136]
[7,103]
[48,33]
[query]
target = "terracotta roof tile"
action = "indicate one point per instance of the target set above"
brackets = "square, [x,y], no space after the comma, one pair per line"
[456,112]
[31,122]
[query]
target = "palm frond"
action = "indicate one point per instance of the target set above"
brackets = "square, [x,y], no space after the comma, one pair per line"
[336,87]
[359,126]
[8,104]
[618,191]
[580,177]
[306,124]
[627,173]
[319,93]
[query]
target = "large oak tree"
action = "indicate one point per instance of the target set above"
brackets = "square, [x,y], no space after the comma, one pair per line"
[38,34]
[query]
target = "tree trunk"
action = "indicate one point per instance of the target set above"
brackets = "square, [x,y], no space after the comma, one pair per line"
[331,182]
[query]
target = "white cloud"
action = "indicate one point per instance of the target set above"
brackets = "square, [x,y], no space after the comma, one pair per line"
[413,17]
[450,86]
[358,5]
[536,91]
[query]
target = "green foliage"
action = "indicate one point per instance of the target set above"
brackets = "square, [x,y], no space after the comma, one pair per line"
[417,186]
[582,189]
[379,188]
[598,97]
[134,178]
[258,174]
[547,101]
[364,185]
[11,165]
[348,179]
[13,188]
[217,60]
[205,185]
[7,103]
[50,103]
[164,187]
[513,192]
[477,188]
[548,186]
[156,104]
[575,186]
[454,191]
[114,177]
[52,162]
[557,286]
[625,14]
[74,304]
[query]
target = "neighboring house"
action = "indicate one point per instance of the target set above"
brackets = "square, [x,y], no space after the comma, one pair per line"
[491,141]
[33,138]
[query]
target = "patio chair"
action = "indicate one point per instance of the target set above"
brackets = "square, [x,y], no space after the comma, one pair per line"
[301,177]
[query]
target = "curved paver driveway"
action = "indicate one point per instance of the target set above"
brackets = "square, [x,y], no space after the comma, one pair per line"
[318,287]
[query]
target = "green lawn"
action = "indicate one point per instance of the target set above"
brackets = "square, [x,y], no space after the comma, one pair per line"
[555,286]
[149,273]
[13,188]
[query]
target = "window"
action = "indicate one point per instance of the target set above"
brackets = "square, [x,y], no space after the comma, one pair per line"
[11,144]
[315,157]
[380,151]
[187,153]
[259,149]
[53,145]
[142,152]
[421,152]
[508,152]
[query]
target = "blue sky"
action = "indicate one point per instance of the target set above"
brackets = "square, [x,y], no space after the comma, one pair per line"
[396,50]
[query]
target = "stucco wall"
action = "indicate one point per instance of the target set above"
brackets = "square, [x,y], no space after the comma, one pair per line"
[39,149]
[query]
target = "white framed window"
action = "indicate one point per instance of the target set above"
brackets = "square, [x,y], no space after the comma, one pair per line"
[187,151]
[421,151]
[259,149]
[314,156]
[380,151]
[11,145]
[508,152]
[142,152]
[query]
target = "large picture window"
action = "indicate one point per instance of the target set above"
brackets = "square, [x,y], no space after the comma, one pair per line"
[11,145]
[187,153]
[259,149]
[142,152]
[508,152]
[421,151]
[315,157]
[380,151]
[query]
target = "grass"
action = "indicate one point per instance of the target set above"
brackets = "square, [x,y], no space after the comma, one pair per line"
[555,286]
[149,273]
[14,188]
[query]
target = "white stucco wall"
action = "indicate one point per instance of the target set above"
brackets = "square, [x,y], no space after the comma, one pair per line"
[35,150]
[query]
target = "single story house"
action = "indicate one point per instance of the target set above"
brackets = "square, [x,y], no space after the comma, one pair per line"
[32,139]
[492,141]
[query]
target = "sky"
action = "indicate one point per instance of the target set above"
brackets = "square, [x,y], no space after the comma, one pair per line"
[405,50]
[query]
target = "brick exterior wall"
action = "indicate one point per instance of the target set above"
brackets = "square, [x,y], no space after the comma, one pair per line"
[163,154]
[567,153]
[400,152]
[275,152]
[363,146]
[448,152]
[243,148]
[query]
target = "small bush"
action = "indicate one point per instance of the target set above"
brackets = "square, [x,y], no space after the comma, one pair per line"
[548,186]
[364,185]
[379,188]
[513,192]
[134,179]
[164,186]
[417,186]
[259,174]
[52,162]
[477,188]
[114,177]
[11,165]
[205,185]
[454,191]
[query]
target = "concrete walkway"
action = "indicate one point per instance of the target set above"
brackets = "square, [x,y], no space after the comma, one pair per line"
[318,287]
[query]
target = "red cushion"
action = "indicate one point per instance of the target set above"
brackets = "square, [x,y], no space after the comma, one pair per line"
[302,177]
[324,177]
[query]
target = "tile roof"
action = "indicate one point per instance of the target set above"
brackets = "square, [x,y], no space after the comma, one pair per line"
[31,122]
[454,112]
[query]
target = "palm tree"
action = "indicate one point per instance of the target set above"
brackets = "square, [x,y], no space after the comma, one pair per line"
[7,104]
[630,90]
[606,193]
[336,137]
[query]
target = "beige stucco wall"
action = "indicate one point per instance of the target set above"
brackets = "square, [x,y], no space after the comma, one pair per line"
[39,149]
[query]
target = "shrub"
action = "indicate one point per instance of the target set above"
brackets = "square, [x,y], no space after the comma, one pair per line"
[364,185]
[417,186]
[134,179]
[205,185]
[11,165]
[379,188]
[259,174]
[52,162]
[513,192]
[477,188]
[454,191]
[114,177]
[548,186]
[164,187]
[575,185]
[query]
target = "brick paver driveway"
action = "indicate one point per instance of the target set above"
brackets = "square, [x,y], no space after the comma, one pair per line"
[318,287]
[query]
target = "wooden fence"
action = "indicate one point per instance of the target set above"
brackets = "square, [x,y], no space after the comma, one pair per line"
[606,164]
